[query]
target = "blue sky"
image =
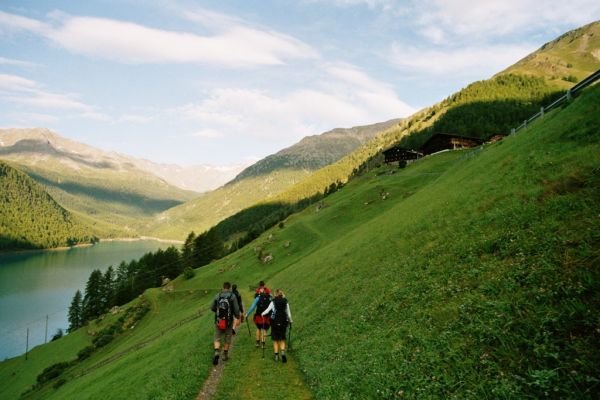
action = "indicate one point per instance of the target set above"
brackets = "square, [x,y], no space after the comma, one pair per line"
[221,82]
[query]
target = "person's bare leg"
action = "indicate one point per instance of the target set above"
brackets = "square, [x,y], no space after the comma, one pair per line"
[282,349]
[275,350]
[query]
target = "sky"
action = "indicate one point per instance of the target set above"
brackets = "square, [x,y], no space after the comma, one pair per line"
[227,82]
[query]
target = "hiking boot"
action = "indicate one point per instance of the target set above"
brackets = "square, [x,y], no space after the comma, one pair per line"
[215,360]
[283,358]
[276,357]
[225,356]
[257,344]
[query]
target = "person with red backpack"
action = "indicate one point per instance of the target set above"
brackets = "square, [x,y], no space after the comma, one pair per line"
[262,299]
[261,286]
[281,316]
[226,308]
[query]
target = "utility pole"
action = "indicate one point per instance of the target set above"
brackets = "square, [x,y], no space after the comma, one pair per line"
[46,336]
[27,344]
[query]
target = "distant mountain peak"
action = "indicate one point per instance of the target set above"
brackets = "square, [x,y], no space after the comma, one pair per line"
[34,145]
[316,151]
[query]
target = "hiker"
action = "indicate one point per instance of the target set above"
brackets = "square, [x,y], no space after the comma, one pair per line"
[262,299]
[261,286]
[238,296]
[280,317]
[226,308]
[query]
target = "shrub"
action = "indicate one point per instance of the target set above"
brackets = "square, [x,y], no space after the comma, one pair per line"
[59,333]
[570,78]
[101,341]
[281,225]
[52,372]
[85,352]
[188,273]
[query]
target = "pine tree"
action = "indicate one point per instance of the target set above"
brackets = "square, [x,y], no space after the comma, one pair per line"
[208,247]
[172,263]
[75,316]
[92,301]
[188,250]
[108,288]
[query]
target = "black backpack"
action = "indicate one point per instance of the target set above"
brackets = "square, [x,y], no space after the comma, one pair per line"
[263,302]
[224,314]
[280,316]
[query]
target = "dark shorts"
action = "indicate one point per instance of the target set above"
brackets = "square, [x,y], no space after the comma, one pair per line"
[278,331]
[259,320]
[223,335]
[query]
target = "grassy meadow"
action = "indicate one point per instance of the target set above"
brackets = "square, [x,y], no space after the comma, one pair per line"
[475,278]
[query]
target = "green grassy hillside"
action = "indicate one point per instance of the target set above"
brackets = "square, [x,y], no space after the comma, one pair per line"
[475,278]
[31,219]
[576,54]
[207,210]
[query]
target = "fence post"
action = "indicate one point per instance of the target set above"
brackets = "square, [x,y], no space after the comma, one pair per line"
[569,95]
[525,124]
[27,344]
[542,111]
[46,336]
[513,132]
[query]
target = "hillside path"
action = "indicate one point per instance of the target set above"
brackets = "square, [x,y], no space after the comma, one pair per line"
[210,385]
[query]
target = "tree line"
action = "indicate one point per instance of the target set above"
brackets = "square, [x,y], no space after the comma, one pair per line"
[31,219]
[120,286]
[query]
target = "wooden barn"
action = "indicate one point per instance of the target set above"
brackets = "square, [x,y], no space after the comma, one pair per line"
[399,154]
[495,138]
[446,141]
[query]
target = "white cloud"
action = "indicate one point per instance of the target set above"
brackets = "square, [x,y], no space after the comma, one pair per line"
[126,42]
[135,119]
[16,63]
[15,23]
[26,92]
[477,20]
[383,4]
[16,83]
[42,99]
[208,134]
[345,96]
[467,61]
[28,118]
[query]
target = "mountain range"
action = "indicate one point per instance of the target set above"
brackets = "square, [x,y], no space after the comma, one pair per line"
[264,180]
[142,197]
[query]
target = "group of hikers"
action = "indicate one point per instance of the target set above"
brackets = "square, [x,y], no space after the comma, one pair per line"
[270,312]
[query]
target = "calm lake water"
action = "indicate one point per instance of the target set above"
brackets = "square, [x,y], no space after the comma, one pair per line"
[33,285]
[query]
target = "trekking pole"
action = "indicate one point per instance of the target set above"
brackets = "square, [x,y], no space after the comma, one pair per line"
[261,335]
[290,339]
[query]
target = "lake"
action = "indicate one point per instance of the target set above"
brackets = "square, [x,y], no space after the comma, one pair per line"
[34,285]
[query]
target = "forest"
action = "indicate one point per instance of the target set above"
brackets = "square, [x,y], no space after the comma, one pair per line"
[31,219]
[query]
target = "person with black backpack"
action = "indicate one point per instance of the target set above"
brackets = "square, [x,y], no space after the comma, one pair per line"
[262,299]
[226,308]
[281,316]
[238,296]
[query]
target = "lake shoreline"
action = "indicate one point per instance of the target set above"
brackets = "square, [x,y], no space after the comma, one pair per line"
[135,239]
[83,245]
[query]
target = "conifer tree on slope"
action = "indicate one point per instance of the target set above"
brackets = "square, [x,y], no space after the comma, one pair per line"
[75,311]
[93,299]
